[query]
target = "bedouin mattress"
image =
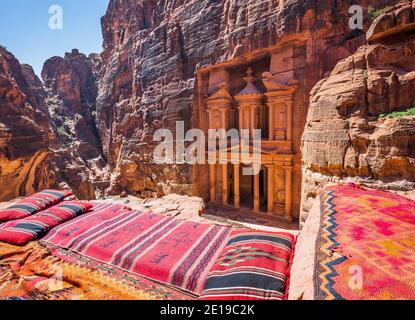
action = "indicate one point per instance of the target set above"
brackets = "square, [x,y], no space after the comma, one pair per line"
[163,248]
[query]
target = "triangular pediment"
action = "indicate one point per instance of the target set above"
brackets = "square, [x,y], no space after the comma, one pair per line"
[222,93]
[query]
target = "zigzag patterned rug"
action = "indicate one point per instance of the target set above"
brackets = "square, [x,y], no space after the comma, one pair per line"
[366,247]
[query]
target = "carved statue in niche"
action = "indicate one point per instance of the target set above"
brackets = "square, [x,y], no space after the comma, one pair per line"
[281,196]
[280,120]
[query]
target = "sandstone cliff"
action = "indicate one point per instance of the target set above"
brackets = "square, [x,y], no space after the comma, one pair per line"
[91,122]
[349,133]
[47,130]
[153,51]
[25,130]
[71,86]
[70,83]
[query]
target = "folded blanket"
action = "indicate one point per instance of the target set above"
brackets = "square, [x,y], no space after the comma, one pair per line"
[25,230]
[255,265]
[33,204]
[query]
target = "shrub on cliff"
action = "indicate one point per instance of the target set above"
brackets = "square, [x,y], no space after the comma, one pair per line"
[399,114]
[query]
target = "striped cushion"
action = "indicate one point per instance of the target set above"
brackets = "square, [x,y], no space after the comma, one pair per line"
[25,230]
[33,204]
[253,266]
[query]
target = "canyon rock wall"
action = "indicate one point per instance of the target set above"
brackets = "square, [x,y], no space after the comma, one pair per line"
[348,133]
[48,136]
[71,86]
[154,49]
[91,123]
[25,131]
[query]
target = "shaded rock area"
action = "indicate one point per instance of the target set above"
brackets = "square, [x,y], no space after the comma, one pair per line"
[71,88]
[351,129]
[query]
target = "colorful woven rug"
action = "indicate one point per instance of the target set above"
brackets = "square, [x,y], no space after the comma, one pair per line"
[366,248]
[35,272]
[158,247]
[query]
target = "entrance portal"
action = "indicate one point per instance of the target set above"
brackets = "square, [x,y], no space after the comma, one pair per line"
[247,191]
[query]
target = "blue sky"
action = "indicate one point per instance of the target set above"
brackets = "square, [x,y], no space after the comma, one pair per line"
[24,28]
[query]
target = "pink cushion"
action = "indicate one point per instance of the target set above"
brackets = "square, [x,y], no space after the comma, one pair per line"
[25,230]
[33,204]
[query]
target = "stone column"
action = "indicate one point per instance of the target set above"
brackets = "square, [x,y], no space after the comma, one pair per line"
[271,188]
[225,193]
[232,119]
[252,121]
[271,122]
[212,168]
[257,205]
[210,126]
[288,192]
[223,121]
[241,119]
[290,121]
[223,118]
[236,191]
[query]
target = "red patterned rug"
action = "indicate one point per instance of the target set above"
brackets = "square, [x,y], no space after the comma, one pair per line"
[162,248]
[366,248]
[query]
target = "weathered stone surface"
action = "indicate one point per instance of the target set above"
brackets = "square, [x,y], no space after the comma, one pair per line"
[395,21]
[47,132]
[72,91]
[91,113]
[153,50]
[345,135]
[24,129]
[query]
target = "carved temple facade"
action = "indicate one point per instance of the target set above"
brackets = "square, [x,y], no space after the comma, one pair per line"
[251,96]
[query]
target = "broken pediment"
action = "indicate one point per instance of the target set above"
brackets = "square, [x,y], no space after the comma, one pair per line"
[272,86]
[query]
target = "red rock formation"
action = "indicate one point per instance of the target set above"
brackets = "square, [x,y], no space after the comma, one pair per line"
[153,50]
[41,149]
[345,135]
[154,65]
[72,90]
[24,129]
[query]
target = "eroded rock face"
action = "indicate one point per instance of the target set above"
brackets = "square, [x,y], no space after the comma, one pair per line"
[71,86]
[345,135]
[153,50]
[92,112]
[47,132]
[72,91]
[25,130]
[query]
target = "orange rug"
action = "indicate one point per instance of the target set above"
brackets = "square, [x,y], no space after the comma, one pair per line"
[36,272]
